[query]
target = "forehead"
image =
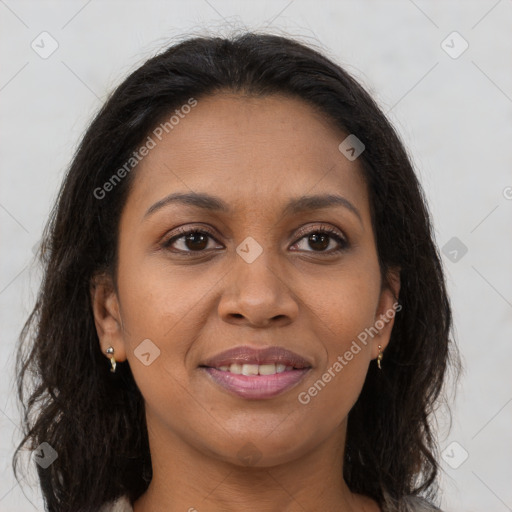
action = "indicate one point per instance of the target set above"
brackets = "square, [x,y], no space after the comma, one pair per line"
[251,151]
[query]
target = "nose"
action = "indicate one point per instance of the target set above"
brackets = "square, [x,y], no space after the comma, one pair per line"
[257,294]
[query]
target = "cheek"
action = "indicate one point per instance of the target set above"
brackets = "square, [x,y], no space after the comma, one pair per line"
[351,314]
[347,311]
[347,304]
[160,315]
[167,307]
[162,303]
[151,309]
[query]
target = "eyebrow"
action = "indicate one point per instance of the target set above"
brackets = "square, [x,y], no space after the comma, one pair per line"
[216,204]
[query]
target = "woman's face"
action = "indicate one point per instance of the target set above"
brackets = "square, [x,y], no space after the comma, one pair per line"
[261,275]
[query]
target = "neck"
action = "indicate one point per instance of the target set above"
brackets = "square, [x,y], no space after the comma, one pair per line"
[188,478]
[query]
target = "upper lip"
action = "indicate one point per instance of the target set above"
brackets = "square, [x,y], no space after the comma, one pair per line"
[249,355]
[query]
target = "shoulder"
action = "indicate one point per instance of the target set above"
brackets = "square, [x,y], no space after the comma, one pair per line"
[122,504]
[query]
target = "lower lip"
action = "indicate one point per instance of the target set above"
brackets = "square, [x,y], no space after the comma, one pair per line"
[257,386]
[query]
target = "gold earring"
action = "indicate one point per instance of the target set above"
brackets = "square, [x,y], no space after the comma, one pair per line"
[379,358]
[110,351]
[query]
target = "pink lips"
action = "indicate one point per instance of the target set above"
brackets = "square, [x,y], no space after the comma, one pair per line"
[257,386]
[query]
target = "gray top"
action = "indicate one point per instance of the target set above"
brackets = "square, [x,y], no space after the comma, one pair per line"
[408,504]
[121,505]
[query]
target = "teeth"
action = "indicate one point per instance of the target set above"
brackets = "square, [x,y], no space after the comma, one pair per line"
[255,369]
[267,369]
[250,369]
[236,368]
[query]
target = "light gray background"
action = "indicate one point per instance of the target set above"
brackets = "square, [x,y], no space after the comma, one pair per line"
[454,114]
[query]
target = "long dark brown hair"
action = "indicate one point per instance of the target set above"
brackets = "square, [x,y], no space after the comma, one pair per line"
[94,419]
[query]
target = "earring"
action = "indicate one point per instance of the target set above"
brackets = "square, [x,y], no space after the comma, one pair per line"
[110,351]
[379,358]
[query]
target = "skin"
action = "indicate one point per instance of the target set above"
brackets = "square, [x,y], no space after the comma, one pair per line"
[255,154]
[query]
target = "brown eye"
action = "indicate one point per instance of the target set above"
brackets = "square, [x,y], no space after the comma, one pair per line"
[320,239]
[196,241]
[192,240]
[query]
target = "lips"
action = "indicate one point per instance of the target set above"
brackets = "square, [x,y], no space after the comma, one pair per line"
[256,374]
[245,356]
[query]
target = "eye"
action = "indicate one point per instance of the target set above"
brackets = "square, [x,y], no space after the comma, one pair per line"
[320,239]
[194,240]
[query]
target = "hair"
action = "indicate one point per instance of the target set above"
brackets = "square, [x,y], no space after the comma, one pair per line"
[95,420]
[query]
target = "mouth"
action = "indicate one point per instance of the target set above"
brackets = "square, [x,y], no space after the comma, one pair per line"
[245,358]
[256,373]
[255,369]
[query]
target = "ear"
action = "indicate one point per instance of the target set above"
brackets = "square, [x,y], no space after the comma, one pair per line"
[107,317]
[387,309]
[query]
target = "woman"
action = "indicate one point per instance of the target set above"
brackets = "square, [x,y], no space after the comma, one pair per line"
[242,241]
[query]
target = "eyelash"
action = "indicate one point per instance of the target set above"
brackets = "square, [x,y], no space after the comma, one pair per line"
[327,230]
